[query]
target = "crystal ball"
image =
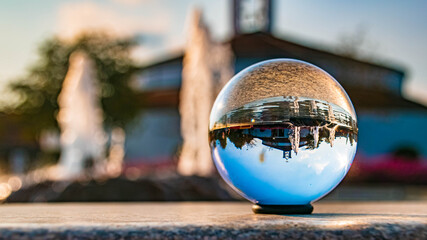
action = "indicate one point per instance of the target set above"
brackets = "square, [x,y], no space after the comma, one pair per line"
[283,132]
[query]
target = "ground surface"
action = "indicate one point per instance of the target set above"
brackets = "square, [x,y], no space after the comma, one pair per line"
[201,220]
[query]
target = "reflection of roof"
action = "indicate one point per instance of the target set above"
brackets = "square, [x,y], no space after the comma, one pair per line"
[282,143]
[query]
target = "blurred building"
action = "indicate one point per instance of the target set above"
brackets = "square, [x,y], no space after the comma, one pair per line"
[17,144]
[387,121]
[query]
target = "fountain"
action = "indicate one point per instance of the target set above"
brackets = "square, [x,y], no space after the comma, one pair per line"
[80,118]
[207,66]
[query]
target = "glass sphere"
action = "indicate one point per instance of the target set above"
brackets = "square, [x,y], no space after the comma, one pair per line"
[283,132]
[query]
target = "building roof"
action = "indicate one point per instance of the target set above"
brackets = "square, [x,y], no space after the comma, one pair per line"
[266,46]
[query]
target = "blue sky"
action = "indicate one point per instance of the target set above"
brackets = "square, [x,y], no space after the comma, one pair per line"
[395,31]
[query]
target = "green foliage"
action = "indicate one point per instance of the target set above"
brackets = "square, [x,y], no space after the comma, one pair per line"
[39,90]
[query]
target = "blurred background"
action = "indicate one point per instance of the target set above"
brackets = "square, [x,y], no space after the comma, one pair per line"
[98,97]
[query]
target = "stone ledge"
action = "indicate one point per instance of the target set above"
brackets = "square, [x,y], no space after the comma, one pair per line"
[201,220]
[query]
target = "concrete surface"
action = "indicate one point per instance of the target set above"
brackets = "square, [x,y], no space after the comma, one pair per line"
[211,220]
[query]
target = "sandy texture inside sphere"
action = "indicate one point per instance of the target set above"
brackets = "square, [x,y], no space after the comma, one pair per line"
[281,77]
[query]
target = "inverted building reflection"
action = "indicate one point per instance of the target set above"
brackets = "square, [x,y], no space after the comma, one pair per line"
[288,139]
[284,124]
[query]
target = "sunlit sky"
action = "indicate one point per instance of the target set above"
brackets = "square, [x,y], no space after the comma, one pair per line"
[395,31]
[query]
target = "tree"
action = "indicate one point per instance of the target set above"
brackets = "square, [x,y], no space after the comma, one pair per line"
[38,91]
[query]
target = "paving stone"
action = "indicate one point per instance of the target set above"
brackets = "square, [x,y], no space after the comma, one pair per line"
[211,220]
